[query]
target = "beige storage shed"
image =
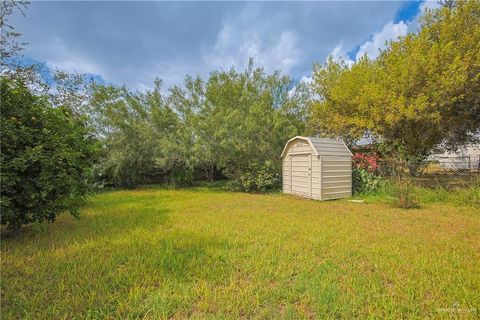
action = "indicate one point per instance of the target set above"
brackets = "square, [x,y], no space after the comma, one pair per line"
[317,168]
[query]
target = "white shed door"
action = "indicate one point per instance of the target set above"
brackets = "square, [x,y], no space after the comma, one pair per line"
[301,171]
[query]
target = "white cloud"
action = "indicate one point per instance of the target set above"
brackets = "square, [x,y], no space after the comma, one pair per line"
[62,57]
[340,54]
[235,45]
[131,43]
[391,31]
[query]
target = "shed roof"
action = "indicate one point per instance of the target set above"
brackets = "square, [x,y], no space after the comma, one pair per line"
[321,146]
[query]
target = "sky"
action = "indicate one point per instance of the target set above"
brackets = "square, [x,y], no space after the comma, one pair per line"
[132,43]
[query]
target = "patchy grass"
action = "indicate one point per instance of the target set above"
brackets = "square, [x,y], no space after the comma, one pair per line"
[463,197]
[206,253]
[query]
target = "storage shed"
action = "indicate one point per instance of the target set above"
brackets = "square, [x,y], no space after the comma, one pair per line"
[317,168]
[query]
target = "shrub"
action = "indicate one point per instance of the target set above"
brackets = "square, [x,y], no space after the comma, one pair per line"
[365,161]
[46,158]
[404,195]
[365,181]
[254,178]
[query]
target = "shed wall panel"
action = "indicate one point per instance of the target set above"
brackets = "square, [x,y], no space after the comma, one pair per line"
[337,177]
[286,185]
[335,196]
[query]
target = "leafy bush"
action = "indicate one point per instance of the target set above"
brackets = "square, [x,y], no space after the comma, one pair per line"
[46,157]
[365,181]
[365,161]
[405,196]
[254,178]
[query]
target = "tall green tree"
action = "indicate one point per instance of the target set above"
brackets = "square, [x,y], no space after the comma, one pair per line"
[241,120]
[232,123]
[422,91]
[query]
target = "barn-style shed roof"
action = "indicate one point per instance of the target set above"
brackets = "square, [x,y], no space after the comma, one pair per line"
[321,146]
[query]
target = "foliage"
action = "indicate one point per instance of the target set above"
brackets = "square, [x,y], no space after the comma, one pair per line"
[420,92]
[46,157]
[235,123]
[73,90]
[365,161]
[10,44]
[390,191]
[365,182]
[255,177]
[246,118]
[138,132]
[365,179]
[469,197]
[206,253]
[404,195]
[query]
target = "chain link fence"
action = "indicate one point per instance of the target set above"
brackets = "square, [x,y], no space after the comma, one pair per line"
[442,172]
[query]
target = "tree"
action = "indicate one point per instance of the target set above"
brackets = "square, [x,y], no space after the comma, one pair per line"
[247,116]
[73,90]
[232,123]
[452,45]
[46,159]
[142,136]
[423,90]
[241,120]
[10,44]
[11,48]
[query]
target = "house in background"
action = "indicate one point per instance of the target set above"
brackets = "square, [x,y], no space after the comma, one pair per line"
[467,158]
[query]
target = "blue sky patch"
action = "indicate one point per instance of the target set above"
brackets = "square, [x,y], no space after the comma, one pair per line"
[408,11]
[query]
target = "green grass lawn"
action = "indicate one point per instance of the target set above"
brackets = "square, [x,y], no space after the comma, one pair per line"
[206,253]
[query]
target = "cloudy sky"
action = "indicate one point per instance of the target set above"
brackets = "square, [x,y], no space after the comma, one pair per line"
[133,42]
